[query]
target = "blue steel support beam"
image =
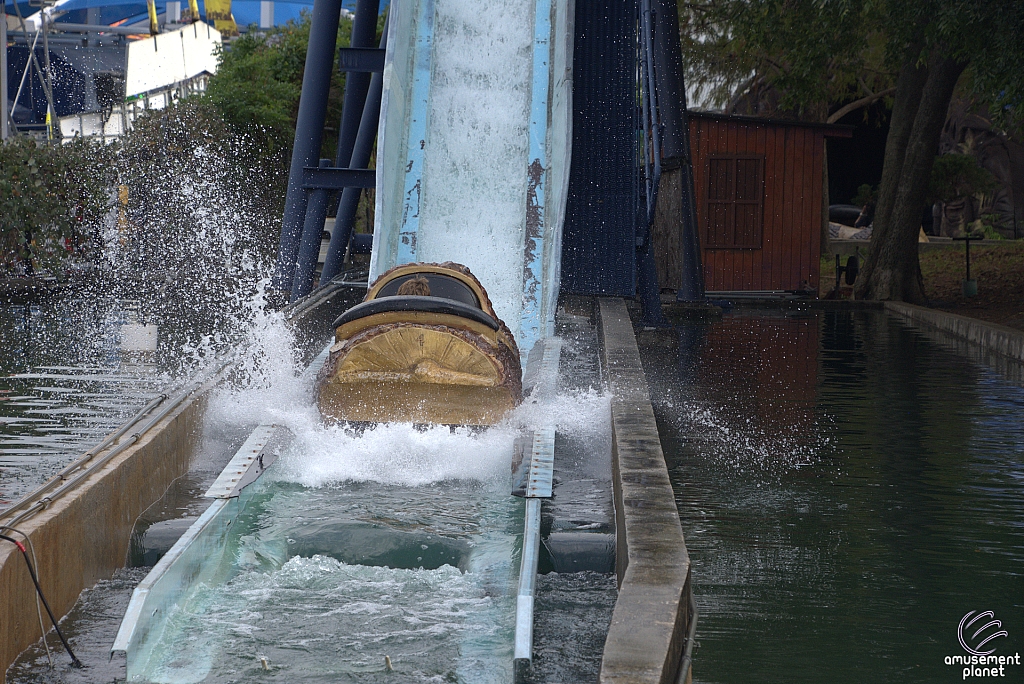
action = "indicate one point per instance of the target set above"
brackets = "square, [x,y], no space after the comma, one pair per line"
[349,202]
[309,248]
[338,179]
[316,83]
[364,30]
[647,286]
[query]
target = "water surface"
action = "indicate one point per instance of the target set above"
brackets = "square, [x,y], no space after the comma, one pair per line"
[849,489]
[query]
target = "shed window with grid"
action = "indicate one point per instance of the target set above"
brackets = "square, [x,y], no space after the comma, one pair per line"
[735,201]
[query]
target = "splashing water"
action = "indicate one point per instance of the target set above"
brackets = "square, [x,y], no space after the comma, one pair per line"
[743,444]
[395,540]
[188,254]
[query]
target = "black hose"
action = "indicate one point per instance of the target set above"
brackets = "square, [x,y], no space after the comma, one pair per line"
[21,547]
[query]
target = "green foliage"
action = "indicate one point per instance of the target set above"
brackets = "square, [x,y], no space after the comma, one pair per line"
[55,195]
[258,83]
[987,227]
[815,54]
[812,52]
[992,40]
[865,195]
[958,176]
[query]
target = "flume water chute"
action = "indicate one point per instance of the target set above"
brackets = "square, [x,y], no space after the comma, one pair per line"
[473,148]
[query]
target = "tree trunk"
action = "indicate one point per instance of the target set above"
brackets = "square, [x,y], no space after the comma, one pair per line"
[892,270]
[909,85]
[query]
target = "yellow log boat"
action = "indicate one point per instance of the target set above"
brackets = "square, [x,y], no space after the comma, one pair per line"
[424,346]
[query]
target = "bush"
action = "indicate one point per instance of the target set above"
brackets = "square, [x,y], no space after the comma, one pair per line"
[53,201]
[958,176]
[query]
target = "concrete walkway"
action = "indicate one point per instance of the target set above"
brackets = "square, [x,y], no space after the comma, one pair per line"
[1008,342]
[650,622]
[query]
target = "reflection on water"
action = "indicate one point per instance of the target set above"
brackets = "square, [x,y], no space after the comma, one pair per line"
[848,488]
[64,385]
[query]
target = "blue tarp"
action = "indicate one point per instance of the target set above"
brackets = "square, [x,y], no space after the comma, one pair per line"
[245,11]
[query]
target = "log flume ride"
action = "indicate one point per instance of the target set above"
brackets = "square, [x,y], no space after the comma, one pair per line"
[424,346]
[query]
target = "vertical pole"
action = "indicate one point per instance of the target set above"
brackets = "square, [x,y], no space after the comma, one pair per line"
[309,248]
[676,142]
[266,13]
[967,253]
[92,17]
[648,290]
[47,79]
[5,116]
[154,28]
[309,127]
[360,159]
[364,30]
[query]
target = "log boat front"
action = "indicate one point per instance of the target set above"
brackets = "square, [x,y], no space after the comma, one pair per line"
[443,357]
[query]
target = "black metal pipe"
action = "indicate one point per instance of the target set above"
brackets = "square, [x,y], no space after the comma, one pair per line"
[648,289]
[651,108]
[691,286]
[309,127]
[360,159]
[671,87]
[364,30]
[309,247]
[668,72]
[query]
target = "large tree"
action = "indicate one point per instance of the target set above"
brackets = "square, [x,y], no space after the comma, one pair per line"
[936,41]
[819,59]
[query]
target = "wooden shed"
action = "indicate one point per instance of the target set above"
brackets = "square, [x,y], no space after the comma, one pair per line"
[758,186]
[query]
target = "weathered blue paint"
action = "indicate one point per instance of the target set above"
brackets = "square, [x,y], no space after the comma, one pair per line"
[417,140]
[531,325]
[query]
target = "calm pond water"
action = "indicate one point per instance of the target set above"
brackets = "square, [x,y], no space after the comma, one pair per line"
[849,489]
[64,385]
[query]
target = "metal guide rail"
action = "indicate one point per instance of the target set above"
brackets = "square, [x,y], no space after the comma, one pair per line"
[195,552]
[190,556]
[535,484]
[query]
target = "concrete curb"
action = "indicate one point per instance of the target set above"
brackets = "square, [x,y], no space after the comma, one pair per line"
[83,537]
[1005,341]
[649,623]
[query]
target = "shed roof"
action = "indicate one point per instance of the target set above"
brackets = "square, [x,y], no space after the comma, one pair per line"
[830,130]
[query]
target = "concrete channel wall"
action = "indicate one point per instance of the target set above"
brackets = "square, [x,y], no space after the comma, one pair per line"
[651,617]
[83,535]
[996,338]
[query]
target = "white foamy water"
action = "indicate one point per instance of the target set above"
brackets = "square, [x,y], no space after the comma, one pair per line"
[270,389]
[474,185]
[318,619]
